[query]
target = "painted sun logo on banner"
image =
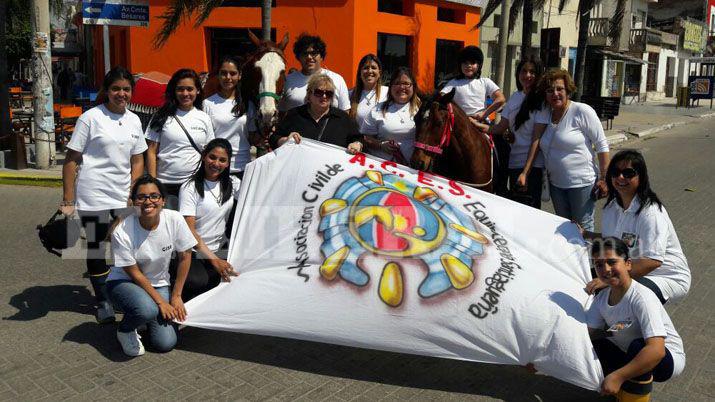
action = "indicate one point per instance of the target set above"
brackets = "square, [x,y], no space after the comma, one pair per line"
[394,219]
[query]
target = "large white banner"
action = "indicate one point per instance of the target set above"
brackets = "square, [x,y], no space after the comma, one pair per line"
[356,251]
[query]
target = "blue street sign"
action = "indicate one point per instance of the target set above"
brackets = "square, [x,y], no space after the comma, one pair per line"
[116,12]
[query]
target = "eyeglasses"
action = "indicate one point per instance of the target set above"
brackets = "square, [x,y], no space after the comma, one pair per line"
[319,93]
[402,84]
[555,89]
[151,197]
[627,173]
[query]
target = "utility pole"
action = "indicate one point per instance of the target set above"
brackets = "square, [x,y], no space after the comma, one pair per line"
[503,42]
[266,19]
[4,95]
[42,84]
[584,19]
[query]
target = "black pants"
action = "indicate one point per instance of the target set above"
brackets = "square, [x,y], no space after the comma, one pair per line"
[201,278]
[532,195]
[172,195]
[612,358]
[501,165]
[96,225]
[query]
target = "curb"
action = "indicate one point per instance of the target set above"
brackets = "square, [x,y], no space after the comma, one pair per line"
[30,180]
[617,137]
[650,131]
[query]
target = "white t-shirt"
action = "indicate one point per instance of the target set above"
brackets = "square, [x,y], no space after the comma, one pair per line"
[107,142]
[650,234]
[210,217]
[522,137]
[642,315]
[177,159]
[397,123]
[296,86]
[150,250]
[234,129]
[368,102]
[568,146]
[471,94]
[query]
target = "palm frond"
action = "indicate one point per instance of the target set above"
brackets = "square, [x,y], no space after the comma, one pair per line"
[614,31]
[488,11]
[205,9]
[176,12]
[562,5]
[514,12]
[539,4]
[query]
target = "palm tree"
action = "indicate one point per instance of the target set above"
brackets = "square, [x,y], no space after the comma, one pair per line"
[180,10]
[584,15]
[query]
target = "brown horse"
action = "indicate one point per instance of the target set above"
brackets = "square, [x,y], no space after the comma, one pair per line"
[262,80]
[448,144]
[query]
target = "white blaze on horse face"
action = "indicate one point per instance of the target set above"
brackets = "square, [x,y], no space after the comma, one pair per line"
[271,66]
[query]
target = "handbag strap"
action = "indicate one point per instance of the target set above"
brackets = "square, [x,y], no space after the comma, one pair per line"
[191,140]
[322,129]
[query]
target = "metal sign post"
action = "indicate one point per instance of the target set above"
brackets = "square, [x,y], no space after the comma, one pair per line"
[114,12]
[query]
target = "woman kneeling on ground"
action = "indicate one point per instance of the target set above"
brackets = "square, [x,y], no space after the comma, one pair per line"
[632,335]
[206,201]
[142,245]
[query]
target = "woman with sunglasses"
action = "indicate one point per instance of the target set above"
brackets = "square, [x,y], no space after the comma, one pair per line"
[635,214]
[368,91]
[177,132]
[103,158]
[142,247]
[318,120]
[206,201]
[389,129]
[227,118]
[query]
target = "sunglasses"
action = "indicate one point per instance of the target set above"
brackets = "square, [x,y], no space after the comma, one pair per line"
[312,53]
[319,93]
[627,173]
[151,197]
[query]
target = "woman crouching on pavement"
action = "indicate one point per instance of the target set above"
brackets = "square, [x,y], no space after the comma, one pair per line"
[632,334]
[206,202]
[142,246]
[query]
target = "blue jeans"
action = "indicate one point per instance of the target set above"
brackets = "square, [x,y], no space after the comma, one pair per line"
[575,204]
[139,308]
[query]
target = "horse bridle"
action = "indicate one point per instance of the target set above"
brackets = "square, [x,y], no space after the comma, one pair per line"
[444,140]
[444,143]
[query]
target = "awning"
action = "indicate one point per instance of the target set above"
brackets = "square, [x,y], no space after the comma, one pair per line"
[621,56]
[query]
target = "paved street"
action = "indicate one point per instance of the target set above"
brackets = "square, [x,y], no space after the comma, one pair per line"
[51,348]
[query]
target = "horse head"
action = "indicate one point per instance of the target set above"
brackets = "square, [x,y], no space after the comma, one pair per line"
[263,80]
[434,124]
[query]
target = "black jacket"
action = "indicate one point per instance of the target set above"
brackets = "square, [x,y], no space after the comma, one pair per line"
[340,129]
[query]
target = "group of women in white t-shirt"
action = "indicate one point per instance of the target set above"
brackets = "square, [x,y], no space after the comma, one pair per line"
[195,159]
[192,166]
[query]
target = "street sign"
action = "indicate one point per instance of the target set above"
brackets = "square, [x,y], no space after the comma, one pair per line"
[116,12]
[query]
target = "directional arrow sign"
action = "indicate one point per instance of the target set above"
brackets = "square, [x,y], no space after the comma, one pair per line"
[116,12]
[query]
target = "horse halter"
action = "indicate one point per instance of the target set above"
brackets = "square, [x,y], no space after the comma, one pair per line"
[446,135]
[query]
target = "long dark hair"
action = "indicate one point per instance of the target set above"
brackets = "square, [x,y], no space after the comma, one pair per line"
[646,195]
[415,102]
[238,62]
[225,176]
[170,103]
[535,98]
[359,86]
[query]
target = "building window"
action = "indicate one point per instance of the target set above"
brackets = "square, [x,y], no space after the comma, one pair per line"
[391,6]
[451,15]
[445,60]
[394,51]
[497,20]
[244,3]
[231,42]
[651,83]
[534,27]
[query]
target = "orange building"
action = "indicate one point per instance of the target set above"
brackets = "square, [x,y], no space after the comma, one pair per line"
[423,34]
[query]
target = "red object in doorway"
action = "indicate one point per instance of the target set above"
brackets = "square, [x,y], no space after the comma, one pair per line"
[149,90]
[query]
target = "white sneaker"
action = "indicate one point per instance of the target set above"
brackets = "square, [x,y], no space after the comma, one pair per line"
[105,312]
[130,342]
